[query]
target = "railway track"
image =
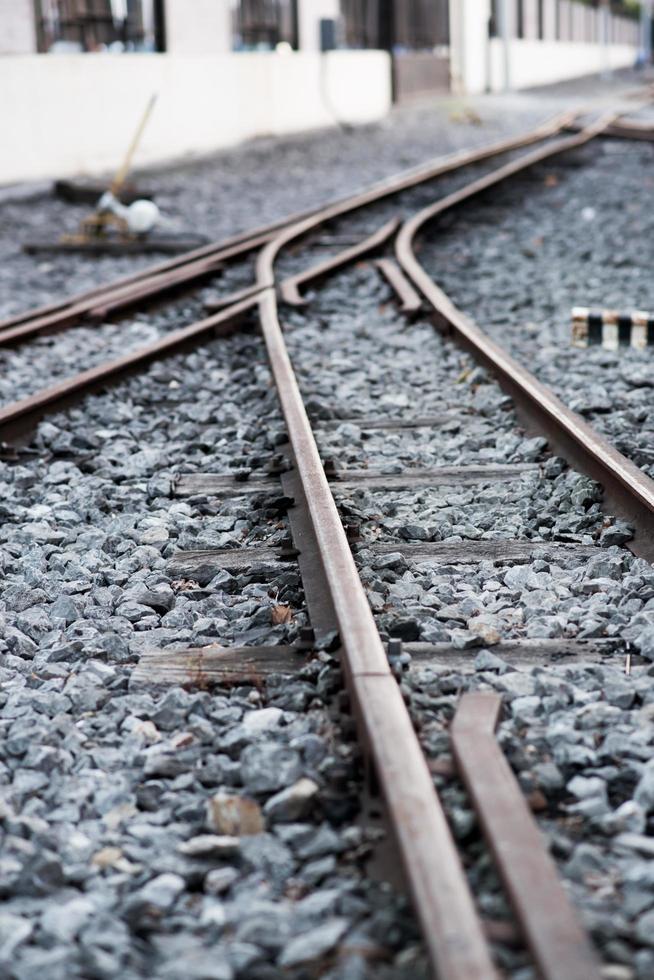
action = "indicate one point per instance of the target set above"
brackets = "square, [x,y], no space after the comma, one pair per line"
[318,496]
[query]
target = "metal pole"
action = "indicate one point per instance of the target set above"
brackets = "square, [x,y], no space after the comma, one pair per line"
[121,175]
[503,31]
[605,21]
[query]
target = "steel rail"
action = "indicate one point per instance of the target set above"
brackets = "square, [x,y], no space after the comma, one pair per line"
[250,239]
[104,303]
[64,313]
[396,184]
[228,299]
[559,945]
[410,301]
[290,287]
[627,488]
[631,130]
[22,414]
[443,902]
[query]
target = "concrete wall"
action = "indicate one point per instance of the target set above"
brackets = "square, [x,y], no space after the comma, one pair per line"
[469,45]
[17,28]
[198,26]
[204,26]
[73,114]
[542,62]
[477,62]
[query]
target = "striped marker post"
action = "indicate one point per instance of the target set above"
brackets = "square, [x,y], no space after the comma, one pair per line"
[612,329]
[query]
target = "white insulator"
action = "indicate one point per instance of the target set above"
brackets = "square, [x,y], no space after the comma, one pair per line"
[142,216]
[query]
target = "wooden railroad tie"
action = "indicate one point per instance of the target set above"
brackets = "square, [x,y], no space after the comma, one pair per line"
[612,329]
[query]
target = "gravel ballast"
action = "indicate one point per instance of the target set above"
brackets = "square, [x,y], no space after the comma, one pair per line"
[565,726]
[575,232]
[217,833]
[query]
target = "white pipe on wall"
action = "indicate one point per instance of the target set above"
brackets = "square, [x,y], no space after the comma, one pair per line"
[505,37]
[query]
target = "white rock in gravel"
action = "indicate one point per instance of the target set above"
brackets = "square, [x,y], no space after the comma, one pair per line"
[209,845]
[636,842]
[65,921]
[14,930]
[161,892]
[155,536]
[585,788]
[644,794]
[197,964]
[629,817]
[255,722]
[213,912]
[313,944]
[292,803]
[218,880]
[147,730]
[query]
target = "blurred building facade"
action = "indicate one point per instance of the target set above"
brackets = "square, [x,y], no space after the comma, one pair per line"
[75,73]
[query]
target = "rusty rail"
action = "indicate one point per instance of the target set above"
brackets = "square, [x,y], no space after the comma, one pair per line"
[21,415]
[627,488]
[101,304]
[290,287]
[442,899]
[410,301]
[452,929]
[559,945]
[171,273]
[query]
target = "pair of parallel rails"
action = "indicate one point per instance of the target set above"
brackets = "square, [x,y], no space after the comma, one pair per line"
[451,925]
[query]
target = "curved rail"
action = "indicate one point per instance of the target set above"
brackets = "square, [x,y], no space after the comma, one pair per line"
[443,901]
[21,415]
[628,489]
[66,312]
[265,261]
[18,416]
[442,898]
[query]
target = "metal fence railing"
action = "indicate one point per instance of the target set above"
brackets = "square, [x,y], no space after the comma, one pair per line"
[399,25]
[263,24]
[567,20]
[99,25]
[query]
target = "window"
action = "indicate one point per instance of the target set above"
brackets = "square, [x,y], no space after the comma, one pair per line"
[260,25]
[360,23]
[421,24]
[100,25]
[398,25]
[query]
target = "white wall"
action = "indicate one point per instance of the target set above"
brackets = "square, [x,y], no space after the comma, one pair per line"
[73,114]
[475,60]
[542,62]
[469,45]
[198,26]
[17,30]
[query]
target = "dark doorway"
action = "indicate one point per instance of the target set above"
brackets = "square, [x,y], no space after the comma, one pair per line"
[415,32]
